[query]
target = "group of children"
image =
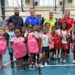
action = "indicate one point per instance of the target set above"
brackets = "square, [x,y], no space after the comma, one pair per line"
[29,43]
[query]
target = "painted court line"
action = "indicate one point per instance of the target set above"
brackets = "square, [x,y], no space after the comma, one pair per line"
[48,65]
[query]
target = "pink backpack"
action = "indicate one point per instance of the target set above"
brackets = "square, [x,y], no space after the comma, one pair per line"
[3,45]
[19,48]
[32,44]
[51,45]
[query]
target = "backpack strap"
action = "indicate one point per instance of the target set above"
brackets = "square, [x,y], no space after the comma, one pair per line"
[60,32]
[42,36]
[67,33]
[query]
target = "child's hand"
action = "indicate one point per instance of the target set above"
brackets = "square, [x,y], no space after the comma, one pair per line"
[68,37]
[60,36]
[33,35]
[8,47]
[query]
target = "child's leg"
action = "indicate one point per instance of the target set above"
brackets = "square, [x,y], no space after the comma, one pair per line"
[65,54]
[31,59]
[46,56]
[0,60]
[11,59]
[18,64]
[22,62]
[43,57]
[74,55]
[62,53]
[58,51]
[37,58]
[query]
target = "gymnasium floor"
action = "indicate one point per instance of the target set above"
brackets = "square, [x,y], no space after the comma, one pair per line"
[54,68]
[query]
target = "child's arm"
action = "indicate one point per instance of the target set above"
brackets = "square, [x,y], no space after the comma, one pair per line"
[7,38]
[11,44]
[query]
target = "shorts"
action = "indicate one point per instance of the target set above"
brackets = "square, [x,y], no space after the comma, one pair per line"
[65,46]
[45,49]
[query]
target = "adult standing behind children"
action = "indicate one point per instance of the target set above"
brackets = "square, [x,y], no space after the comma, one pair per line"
[32,19]
[50,20]
[68,20]
[16,19]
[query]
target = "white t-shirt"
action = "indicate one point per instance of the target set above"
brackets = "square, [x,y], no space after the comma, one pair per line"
[45,40]
[12,40]
[58,31]
[64,38]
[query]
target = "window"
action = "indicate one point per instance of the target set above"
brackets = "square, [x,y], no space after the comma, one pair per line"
[69,1]
[14,3]
[27,1]
[48,2]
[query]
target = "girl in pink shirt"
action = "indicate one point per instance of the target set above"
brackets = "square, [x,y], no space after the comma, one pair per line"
[3,46]
[32,45]
[19,48]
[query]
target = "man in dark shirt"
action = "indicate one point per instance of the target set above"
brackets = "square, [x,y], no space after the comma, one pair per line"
[16,19]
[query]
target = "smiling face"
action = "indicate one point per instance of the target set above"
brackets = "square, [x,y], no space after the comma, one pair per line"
[47,26]
[11,26]
[2,32]
[44,30]
[67,14]
[16,12]
[17,33]
[23,29]
[32,12]
[30,28]
[50,15]
[64,26]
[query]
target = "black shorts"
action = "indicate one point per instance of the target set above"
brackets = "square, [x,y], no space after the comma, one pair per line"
[45,49]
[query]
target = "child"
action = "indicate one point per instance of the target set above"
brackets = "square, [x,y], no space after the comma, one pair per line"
[23,29]
[56,39]
[11,35]
[3,46]
[38,34]
[19,48]
[73,45]
[51,45]
[45,46]
[32,45]
[58,31]
[65,37]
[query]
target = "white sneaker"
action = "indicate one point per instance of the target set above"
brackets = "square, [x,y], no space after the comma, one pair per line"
[30,67]
[61,59]
[73,61]
[45,64]
[40,65]
[55,57]
[33,67]
[64,61]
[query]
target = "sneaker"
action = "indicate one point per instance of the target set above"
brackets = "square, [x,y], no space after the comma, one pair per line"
[30,67]
[61,59]
[22,68]
[73,61]
[48,60]
[45,64]
[64,61]
[33,67]
[18,69]
[55,57]
[40,65]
